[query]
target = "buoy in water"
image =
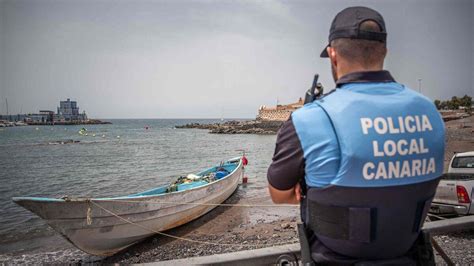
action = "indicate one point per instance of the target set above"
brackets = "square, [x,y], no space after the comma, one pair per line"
[103,136]
[83,131]
[245,161]
[118,137]
[93,135]
[37,128]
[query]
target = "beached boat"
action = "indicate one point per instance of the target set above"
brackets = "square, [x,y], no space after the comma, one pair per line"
[104,226]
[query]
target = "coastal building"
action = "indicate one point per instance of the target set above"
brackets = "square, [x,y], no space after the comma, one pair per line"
[37,118]
[69,111]
[49,115]
[14,118]
[278,112]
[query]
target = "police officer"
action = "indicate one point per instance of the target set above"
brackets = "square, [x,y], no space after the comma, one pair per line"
[364,160]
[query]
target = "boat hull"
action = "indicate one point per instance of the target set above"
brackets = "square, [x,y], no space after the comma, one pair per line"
[105,226]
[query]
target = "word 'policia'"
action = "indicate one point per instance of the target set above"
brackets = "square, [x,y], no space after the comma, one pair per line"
[410,124]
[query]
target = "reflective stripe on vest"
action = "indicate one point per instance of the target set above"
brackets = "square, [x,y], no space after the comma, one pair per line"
[384,140]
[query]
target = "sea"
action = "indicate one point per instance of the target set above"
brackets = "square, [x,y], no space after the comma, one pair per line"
[127,156]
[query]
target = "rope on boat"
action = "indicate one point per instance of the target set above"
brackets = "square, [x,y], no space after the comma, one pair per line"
[89,215]
[182,238]
[200,204]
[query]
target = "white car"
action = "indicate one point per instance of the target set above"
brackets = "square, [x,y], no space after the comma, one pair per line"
[462,163]
[456,188]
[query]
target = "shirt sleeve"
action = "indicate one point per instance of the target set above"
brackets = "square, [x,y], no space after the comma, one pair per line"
[288,164]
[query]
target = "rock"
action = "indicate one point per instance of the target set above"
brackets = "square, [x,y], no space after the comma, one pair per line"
[285,226]
[275,235]
[238,127]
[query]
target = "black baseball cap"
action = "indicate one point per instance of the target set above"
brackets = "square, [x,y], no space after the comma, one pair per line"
[347,22]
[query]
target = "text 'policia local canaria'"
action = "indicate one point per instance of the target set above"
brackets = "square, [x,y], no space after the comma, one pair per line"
[402,147]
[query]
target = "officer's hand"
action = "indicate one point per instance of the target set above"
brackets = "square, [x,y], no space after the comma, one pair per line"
[291,196]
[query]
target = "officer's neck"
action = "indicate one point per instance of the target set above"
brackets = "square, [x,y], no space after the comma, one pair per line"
[345,68]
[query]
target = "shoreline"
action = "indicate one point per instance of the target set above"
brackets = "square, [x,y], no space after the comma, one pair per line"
[268,226]
[268,127]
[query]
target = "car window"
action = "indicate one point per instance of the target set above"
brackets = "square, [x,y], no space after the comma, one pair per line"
[463,162]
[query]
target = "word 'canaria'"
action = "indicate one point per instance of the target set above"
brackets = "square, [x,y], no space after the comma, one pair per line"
[398,169]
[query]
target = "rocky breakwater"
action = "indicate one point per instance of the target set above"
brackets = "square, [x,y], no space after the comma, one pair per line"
[68,123]
[239,127]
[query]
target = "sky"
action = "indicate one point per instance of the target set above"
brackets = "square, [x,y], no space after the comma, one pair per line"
[211,59]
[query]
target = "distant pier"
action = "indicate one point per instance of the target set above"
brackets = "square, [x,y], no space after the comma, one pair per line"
[67,114]
[69,123]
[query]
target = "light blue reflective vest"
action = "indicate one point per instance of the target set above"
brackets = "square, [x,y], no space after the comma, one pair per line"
[384,139]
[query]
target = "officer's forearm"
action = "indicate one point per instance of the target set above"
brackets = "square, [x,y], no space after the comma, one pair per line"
[283,196]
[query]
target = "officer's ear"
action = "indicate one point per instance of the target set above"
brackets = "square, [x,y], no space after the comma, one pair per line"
[332,55]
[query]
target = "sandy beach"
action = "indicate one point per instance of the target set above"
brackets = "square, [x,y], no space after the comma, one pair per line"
[459,137]
[231,228]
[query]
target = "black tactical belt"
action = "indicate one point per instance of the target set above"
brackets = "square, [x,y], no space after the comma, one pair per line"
[344,223]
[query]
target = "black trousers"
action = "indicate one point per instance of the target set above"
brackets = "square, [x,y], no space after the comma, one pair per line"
[316,253]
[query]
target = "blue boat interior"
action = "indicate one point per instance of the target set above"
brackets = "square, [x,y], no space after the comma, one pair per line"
[229,167]
[219,172]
